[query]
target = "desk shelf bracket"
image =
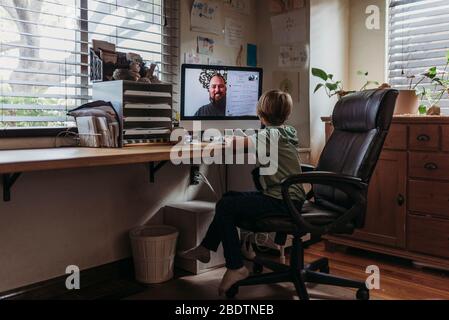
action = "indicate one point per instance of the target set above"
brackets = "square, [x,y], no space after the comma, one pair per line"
[8,182]
[155,168]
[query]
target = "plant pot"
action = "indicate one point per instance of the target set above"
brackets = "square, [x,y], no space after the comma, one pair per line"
[434,111]
[407,102]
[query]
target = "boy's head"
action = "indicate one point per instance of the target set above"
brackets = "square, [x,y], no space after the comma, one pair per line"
[275,107]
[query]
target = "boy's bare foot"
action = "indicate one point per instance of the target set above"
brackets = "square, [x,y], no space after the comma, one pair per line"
[230,278]
[199,253]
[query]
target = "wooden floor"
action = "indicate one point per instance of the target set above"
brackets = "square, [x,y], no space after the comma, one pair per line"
[400,280]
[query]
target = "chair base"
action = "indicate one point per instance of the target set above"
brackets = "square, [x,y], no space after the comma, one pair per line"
[299,274]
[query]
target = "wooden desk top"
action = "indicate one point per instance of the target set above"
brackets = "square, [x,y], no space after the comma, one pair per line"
[12,161]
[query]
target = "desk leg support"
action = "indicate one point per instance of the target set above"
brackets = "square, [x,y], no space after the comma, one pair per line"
[155,168]
[8,182]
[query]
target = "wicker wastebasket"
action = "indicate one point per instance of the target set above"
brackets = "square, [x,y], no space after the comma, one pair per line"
[154,249]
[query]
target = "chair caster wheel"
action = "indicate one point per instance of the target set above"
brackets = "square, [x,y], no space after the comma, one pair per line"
[363,294]
[232,293]
[257,268]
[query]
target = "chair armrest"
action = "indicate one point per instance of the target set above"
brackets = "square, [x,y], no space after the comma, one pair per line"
[353,187]
[325,178]
[307,168]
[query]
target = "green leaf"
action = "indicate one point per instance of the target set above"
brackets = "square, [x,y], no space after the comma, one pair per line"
[362,73]
[332,86]
[422,109]
[437,80]
[447,56]
[431,73]
[318,87]
[320,74]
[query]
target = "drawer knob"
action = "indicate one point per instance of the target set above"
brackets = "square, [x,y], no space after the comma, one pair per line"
[431,166]
[423,138]
[400,200]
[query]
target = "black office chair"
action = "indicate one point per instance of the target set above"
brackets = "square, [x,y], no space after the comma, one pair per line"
[337,201]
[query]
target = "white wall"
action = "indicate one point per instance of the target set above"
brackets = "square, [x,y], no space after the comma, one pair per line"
[367,50]
[82,217]
[222,52]
[329,50]
[269,59]
[342,45]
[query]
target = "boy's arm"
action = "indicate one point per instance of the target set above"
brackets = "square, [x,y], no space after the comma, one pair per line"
[240,144]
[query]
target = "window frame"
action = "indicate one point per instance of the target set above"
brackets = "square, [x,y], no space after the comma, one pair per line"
[37,132]
[411,68]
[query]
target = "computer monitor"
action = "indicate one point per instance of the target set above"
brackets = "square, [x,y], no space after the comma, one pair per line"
[220,97]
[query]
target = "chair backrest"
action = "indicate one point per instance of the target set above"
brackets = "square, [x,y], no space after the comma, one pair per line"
[361,122]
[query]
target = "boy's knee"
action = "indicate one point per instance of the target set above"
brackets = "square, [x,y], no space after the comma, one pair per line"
[223,207]
[230,194]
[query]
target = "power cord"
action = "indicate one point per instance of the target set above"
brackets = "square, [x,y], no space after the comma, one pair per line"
[202,178]
[65,134]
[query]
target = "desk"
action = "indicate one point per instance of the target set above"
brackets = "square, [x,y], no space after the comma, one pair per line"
[14,162]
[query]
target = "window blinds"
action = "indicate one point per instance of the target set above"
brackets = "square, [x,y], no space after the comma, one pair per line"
[418,40]
[44,51]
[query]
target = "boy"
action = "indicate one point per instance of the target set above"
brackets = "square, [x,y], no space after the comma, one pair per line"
[273,109]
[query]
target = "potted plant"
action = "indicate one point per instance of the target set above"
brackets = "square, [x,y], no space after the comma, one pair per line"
[331,86]
[436,84]
[407,102]
[335,88]
[433,93]
[408,99]
[367,81]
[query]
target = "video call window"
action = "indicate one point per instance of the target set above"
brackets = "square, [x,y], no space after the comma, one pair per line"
[214,93]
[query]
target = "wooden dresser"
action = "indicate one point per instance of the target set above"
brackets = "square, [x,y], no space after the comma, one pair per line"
[408,202]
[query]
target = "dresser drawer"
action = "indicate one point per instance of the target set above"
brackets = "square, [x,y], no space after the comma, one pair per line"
[429,197]
[397,137]
[445,136]
[424,137]
[428,235]
[429,165]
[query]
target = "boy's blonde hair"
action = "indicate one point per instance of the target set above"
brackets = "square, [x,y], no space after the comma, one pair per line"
[275,107]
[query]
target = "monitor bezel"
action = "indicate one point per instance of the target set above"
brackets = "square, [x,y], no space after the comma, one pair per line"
[215,67]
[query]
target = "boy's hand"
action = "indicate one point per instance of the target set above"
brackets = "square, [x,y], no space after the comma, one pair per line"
[229,141]
[239,144]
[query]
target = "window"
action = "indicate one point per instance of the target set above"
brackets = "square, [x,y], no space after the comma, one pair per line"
[44,51]
[418,40]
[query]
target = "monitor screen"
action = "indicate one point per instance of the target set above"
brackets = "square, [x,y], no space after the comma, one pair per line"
[220,93]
